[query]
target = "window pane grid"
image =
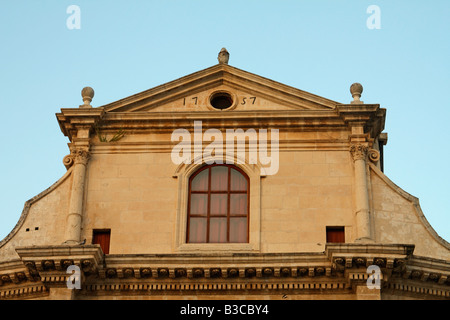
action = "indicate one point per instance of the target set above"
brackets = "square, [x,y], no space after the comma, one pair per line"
[225,219]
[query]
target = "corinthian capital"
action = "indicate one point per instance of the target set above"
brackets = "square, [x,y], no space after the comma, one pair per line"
[80,156]
[76,156]
[359,151]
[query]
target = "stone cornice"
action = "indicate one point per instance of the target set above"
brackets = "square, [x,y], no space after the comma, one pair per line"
[402,250]
[292,120]
[214,76]
[370,116]
[47,259]
[338,269]
[73,119]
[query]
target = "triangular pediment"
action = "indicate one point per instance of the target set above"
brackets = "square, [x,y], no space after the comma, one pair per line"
[248,92]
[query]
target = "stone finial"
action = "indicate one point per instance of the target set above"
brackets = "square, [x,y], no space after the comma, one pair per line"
[87,94]
[224,56]
[356,90]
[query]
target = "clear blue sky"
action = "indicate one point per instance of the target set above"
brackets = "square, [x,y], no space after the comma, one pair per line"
[125,47]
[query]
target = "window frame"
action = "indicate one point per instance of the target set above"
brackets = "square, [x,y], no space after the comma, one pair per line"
[183,172]
[331,231]
[209,192]
[100,233]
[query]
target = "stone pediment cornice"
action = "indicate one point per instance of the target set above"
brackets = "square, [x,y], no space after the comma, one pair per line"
[71,120]
[293,120]
[342,118]
[292,109]
[217,75]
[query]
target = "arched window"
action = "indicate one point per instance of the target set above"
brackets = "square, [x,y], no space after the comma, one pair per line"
[218,205]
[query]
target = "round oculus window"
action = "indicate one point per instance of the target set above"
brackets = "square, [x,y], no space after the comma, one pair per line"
[221,100]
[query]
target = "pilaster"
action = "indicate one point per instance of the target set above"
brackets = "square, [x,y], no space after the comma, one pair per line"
[359,152]
[77,124]
[365,123]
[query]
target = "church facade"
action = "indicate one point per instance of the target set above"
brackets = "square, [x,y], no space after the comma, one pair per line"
[224,185]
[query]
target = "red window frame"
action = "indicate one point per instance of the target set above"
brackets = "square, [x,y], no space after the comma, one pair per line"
[209,192]
[335,234]
[102,237]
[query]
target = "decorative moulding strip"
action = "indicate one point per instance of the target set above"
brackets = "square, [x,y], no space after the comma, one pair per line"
[291,117]
[420,289]
[167,147]
[222,73]
[23,292]
[217,286]
[166,97]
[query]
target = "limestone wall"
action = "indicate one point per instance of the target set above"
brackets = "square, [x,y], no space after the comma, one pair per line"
[137,197]
[399,219]
[312,190]
[140,198]
[42,221]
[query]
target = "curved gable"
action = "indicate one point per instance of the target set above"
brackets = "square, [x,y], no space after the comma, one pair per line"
[398,218]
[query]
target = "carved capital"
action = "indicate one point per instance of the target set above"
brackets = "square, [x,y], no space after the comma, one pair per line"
[359,151]
[80,156]
[75,157]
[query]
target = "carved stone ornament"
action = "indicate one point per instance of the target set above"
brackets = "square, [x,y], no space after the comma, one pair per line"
[21,276]
[320,271]
[68,161]
[180,272]
[66,263]
[111,273]
[233,272]
[356,89]
[303,271]
[267,271]
[163,272]
[416,274]
[146,272]
[216,272]
[380,262]
[87,93]
[374,155]
[76,156]
[360,261]
[5,278]
[359,151]
[48,265]
[197,272]
[128,272]
[80,156]
[250,272]
[224,56]
[285,272]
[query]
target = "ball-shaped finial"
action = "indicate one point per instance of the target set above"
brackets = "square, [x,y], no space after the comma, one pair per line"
[224,56]
[87,94]
[356,90]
